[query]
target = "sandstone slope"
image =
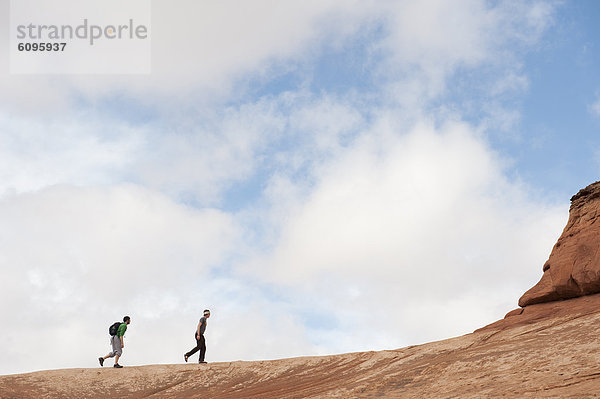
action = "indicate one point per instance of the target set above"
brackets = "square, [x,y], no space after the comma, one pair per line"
[548,351]
[549,348]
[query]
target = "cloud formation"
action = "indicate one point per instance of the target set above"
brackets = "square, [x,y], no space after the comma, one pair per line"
[310,220]
[79,255]
[399,224]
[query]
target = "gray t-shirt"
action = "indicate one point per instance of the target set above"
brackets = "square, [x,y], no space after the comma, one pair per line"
[202,325]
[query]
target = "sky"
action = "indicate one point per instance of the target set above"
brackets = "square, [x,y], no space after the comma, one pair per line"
[324,176]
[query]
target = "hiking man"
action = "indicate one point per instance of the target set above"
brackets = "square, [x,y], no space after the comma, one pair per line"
[117,342]
[199,335]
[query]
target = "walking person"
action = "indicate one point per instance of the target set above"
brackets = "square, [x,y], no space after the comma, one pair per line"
[199,335]
[117,341]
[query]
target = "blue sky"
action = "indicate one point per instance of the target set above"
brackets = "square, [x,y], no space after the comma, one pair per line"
[325,176]
[562,151]
[558,151]
[553,146]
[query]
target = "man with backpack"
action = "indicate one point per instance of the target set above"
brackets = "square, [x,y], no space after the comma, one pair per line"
[199,336]
[117,341]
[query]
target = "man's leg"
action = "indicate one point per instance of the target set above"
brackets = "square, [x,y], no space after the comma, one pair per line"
[202,344]
[194,350]
[103,358]
[116,347]
[110,354]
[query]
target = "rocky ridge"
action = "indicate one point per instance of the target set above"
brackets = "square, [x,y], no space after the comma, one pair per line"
[573,268]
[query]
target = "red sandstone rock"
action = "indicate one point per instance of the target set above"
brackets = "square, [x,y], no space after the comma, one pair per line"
[573,268]
[515,312]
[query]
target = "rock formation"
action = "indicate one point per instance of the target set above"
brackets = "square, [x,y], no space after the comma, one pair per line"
[573,268]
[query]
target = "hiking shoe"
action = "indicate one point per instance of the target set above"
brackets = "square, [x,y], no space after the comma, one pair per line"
[202,362]
[118,366]
[185,357]
[101,360]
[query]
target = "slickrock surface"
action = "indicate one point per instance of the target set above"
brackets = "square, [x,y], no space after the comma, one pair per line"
[573,268]
[550,350]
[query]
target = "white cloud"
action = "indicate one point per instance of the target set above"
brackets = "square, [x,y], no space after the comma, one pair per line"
[197,157]
[37,153]
[93,234]
[400,224]
[82,256]
[439,32]
[200,49]
[513,82]
[430,40]
[200,155]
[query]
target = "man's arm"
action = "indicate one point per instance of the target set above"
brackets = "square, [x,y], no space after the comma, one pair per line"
[198,329]
[121,333]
